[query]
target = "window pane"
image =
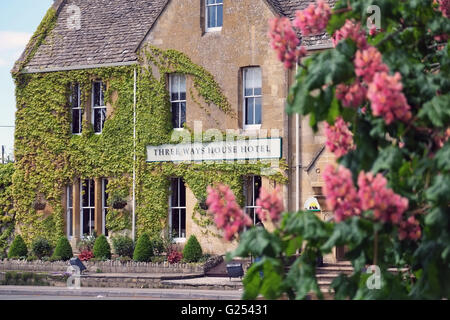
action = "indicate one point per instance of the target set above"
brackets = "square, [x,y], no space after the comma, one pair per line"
[98,120]
[174,193]
[69,196]
[182,193]
[257,187]
[102,94]
[91,193]
[257,81]
[219,16]
[258,111]
[182,88]
[97,94]
[248,78]
[86,219]
[105,194]
[183,223]
[70,222]
[103,113]
[175,223]
[212,17]
[74,97]
[85,193]
[249,102]
[182,114]
[176,115]
[76,125]
[174,87]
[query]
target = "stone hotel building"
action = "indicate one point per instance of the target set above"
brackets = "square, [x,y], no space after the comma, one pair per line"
[106,87]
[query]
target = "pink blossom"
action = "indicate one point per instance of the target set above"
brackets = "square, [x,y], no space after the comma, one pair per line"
[409,229]
[444,6]
[353,31]
[314,19]
[340,193]
[339,138]
[285,42]
[387,99]
[227,213]
[387,206]
[368,62]
[353,95]
[270,203]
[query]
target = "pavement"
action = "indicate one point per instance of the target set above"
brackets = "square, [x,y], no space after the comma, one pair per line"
[55,293]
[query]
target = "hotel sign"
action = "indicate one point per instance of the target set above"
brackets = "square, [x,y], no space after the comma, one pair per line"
[253,149]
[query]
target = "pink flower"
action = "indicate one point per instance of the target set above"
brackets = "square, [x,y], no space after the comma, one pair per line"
[270,203]
[409,229]
[340,193]
[387,206]
[227,213]
[351,96]
[314,19]
[444,6]
[284,41]
[368,62]
[339,138]
[351,30]
[387,99]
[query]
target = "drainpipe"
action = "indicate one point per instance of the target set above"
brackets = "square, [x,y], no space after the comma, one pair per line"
[134,160]
[297,156]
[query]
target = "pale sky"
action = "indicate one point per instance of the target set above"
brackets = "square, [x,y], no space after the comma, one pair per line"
[18,21]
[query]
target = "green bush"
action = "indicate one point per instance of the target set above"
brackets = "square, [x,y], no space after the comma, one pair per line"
[102,249]
[157,245]
[144,250]
[18,248]
[192,250]
[41,248]
[63,250]
[123,246]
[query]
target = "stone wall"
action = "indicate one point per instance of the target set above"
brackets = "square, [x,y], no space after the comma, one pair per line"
[112,266]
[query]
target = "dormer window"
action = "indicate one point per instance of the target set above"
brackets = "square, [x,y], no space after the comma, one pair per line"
[214,15]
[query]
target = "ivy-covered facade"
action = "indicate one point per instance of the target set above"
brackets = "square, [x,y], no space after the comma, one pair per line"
[83,126]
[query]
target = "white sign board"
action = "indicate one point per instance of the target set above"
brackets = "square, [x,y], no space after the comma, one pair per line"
[253,149]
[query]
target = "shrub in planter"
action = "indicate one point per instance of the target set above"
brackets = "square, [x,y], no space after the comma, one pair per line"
[123,246]
[18,248]
[86,255]
[192,251]
[41,248]
[174,256]
[63,249]
[143,250]
[102,249]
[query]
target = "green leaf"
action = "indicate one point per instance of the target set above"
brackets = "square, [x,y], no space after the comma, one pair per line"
[252,281]
[437,111]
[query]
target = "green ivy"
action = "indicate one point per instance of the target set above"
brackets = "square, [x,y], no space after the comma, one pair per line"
[49,157]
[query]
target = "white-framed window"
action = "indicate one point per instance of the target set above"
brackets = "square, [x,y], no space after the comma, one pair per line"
[252,188]
[178,99]
[77,111]
[69,211]
[214,15]
[252,97]
[105,206]
[98,106]
[87,216]
[177,209]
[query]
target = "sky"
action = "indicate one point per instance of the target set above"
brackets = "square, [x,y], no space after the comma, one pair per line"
[18,21]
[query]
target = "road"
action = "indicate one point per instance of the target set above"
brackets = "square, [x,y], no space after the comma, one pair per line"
[54,293]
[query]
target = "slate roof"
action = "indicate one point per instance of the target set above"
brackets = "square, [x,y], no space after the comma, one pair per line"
[112,30]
